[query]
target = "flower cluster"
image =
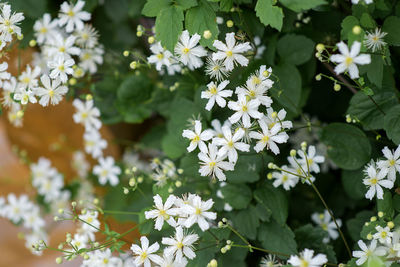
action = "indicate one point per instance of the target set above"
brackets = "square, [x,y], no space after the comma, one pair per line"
[324,220]
[382,173]
[164,171]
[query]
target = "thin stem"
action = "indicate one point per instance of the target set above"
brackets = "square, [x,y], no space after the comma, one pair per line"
[239,235]
[340,78]
[333,217]
[261,249]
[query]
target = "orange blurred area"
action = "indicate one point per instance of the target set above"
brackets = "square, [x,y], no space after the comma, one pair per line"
[47,132]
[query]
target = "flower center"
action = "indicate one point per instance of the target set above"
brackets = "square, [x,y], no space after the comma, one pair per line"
[26,80]
[61,67]
[244,108]
[51,93]
[230,143]
[348,61]
[252,93]
[185,50]
[105,261]
[373,181]
[160,56]
[383,234]
[212,164]
[143,256]
[198,211]
[196,139]
[104,173]
[310,161]
[213,90]
[256,80]
[179,245]
[303,263]
[285,178]
[61,49]
[265,139]
[392,162]
[71,13]
[43,30]
[229,53]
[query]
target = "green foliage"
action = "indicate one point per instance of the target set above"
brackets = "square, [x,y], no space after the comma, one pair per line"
[31,8]
[353,183]
[238,196]
[298,54]
[392,124]
[169,25]
[392,27]
[302,5]
[246,221]
[273,200]
[347,145]
[269,14]
[276,237]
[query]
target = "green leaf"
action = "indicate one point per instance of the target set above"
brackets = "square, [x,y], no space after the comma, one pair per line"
[301,5]
[348,146]
[295,54]
[288,90]
[353,183]
[392,124]
[246,222]
[116,10]
[269,14]
[367,21]
[247,169]
[169,26]
[347,30]
[396,202]
[226,5]
[392,27]
[277,237]
[375,70]
[355,224]
[273,199]
[186,4]
[386,205]
[31,8]
[153,7]
[365,110]
[201,18]
[238,196]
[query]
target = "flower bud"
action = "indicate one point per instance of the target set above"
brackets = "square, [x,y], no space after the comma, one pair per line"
[207,34]
[151,39]
[356,30]
[337,87]
[229,23]
[320,47]
[125,53]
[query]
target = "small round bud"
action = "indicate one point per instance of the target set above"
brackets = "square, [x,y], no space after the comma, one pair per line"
[228,242]
[125,53]
[60,211]
[84,211]
[180,171]
[32,43]
[366,224]
[380,214]
[297,24]
[178,183]
[274,114]
[133,65]
[140,180]
[213,263]
[224,220]
[369,236]
[207,34]
[373,219]
[356,30]
[139,33]
[320,47]
[89,97]
[337,87]
[266,73]
[303,145]
[229,23]
[271,165]
[293,152]
[61,246]
[318,55]
[20,113]
[126,191]
[220,224]
[68,239]
[59,260]
[96,201]
[55,218]
[20,37]
[348,118]
[151,39]
[318,77]
[72,81]
[269,176]
[390,224]
[223,250]
[170,190]
[132,182]
[228,247]
[86,256]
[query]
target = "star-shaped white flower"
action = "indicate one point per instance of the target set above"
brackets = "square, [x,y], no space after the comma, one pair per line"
[268,137]
[230,143]
[383,235]
[197,212]
[52,91]
[216,93]
[213,163]
[367,252]
[107,171]
[310,159]
[375,180]
[307,259]
[181,245]
[188,50]
[348,60]
[285,179]
[162,212]
[244,110]
[145,254]
[72,16]
[160,56]
[392,162]
[61,67]
[45,28]
[197,137]
[86,114]
[94,144]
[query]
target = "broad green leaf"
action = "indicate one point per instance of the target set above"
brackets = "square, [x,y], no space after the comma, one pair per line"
[153,7]
[367,21]
[295,54]
[386,204]
[238,196]
[169,26]
[353,183]
[301,5]
[202,18]
[116,10]
[347,30]
[277,237]
[246,222]
[287,91]
[348,146]
[247,169]
[186,4]
[396,202]
[273,199]
[392,124]
[365,109]
[355,225]
[269,14]
[392,27]
[30,8]
[375,70]
[225,5]
[190,166]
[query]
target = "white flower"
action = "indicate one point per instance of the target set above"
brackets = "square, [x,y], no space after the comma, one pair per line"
[260,77]
[324,220]
[145,254]
[273,118]
[230,52]
[32,219]
[255,91]
[375,180]
[92,222]
[14,115]
[216,93]
[230,143]
[161,56]
[348,59]
[374,40]
[61,67]
[216,124]
[45,28]
[17,207]
[298,168]
[87,37]
[4,75]
[170,261]
[162,212]
[189,52]
[244,110]
[198,213]
[269,137]
[216,69]
[307,259]
[64,46]
[383,235]
[365,1]
[94,144]
[392,162]
[181,245]
[52,91]
[213,163]
[9,22]
[9,87]
[25,95]
[102,258]
[107,171]
[86,114]
[73,16]
[367,252]
[51,187]
[285,179]
[311,161]
[90,59]
[28,78]
[80,164]
[197,137]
